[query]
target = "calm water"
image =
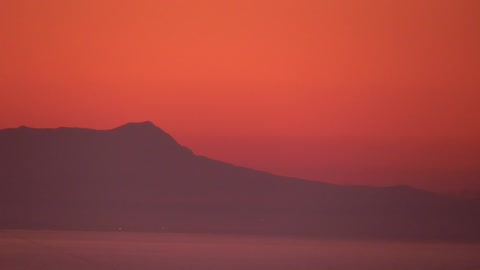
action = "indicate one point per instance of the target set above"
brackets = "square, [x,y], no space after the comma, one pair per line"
[137,251]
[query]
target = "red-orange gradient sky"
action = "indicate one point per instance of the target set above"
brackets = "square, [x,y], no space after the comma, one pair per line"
[294,87]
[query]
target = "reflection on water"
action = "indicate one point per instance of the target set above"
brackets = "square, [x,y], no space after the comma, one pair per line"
[123,250]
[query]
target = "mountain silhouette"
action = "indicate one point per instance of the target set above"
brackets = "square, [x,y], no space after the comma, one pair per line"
[138,177]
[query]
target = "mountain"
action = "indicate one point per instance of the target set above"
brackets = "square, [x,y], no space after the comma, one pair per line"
[137,177]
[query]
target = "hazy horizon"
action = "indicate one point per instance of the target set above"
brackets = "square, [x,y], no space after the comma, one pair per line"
[282,134]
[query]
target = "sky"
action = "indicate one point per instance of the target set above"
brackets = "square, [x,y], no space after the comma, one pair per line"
[378,92]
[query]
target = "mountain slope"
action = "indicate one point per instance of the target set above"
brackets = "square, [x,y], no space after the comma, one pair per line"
[137,177]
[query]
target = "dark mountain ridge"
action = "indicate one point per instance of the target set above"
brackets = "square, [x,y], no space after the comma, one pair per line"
[137,177]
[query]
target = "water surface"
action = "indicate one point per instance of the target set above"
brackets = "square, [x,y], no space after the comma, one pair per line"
[27,250]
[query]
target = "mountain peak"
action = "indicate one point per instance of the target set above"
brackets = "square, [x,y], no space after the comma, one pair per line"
[145,124]
[149,134]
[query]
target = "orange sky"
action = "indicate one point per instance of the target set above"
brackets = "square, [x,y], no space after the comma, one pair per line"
[222,76]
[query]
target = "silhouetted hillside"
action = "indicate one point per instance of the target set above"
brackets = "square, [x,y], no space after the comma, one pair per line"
[137,177]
